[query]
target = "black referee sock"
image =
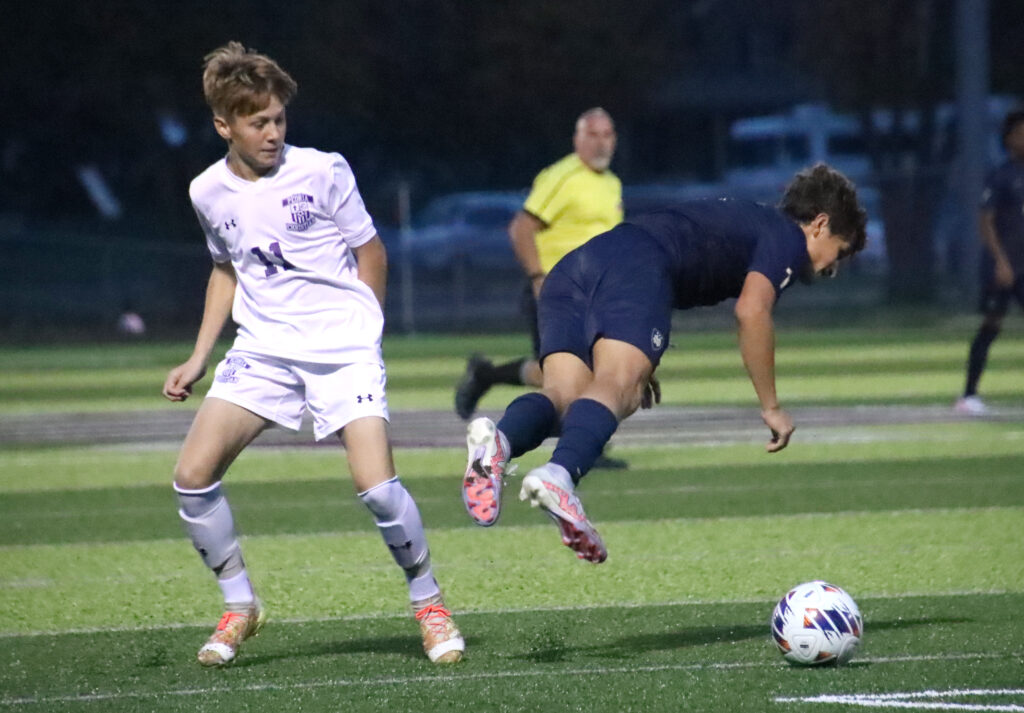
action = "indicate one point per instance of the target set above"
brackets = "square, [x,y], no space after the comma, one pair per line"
[979,356]
[507,373]
[586,428]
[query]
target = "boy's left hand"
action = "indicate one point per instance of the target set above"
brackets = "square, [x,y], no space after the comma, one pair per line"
[652,393]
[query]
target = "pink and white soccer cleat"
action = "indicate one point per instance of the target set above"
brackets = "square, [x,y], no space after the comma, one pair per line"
[485,471]
[550,488]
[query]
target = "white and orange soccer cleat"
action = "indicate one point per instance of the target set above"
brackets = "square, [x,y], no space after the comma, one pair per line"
[486,469]
[236,625]
[550,488]
[442,641]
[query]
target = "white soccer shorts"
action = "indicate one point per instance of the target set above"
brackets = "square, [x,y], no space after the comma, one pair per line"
[280,390]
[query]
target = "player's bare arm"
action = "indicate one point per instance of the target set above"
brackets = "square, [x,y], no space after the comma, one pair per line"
[522,232]
[756,331]
[990,238]
[372,259]
[220,294]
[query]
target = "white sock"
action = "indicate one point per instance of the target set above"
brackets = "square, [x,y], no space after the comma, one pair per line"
[398,520]
[237,589]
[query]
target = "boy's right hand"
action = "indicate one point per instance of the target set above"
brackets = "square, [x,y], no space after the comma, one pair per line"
[178,385]
[781,426]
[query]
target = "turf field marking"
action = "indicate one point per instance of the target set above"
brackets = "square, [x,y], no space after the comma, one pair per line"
[769,602]
[936,700]
[457,678]
[343,502]
[817,484]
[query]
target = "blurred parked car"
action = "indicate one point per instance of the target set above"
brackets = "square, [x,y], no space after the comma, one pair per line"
[468,227]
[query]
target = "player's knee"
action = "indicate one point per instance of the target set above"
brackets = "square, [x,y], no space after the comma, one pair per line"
[993,321]
[559,397]
[631,396]
[626,389]
[193,476]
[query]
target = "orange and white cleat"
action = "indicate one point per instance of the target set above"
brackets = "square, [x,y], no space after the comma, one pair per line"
[486,469]
[238,624]
[550,488]
[442,641]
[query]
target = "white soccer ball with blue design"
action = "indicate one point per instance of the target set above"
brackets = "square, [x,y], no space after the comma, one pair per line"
[817,623]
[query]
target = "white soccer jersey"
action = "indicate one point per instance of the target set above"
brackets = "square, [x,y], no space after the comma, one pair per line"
[289,236]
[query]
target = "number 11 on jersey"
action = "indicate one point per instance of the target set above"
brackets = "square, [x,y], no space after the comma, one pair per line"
[271,264]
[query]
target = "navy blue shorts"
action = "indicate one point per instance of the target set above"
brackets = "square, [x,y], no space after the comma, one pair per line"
[528,308]
[995,300]
[617,286]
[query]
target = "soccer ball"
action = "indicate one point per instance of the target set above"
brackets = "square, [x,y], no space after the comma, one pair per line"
[817,623]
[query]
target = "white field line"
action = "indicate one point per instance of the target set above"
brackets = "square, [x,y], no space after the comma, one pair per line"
[916,700]
[497,611]
[455,679]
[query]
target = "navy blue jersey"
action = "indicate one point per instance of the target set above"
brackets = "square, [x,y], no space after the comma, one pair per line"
[713,244]
[1004,195]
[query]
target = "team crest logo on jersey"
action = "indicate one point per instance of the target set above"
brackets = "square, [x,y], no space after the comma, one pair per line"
[300,206]
[232,365]
[657,339]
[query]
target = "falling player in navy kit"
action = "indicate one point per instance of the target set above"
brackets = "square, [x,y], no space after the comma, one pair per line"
[605,317]
[1002,233]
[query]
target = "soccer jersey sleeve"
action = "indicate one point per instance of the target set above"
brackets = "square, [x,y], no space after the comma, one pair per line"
[214,243]
[780,258]
[990,194]
[345,205]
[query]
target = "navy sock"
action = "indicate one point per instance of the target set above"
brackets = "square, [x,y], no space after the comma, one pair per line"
[528,420]
[586,429]
[978,357]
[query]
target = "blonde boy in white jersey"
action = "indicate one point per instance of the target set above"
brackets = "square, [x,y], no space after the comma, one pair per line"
[300,267]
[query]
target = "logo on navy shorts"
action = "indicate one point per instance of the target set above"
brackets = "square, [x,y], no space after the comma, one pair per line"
[232,365]
[657,339]
[300,206]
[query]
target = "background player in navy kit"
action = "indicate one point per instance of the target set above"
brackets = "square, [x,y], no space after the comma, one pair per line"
[1002,233]
[605,317]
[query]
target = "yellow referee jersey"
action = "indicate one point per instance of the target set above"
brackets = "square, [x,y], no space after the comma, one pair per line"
[575,203]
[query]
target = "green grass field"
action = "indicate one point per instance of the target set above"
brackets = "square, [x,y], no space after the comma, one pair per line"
[103,603]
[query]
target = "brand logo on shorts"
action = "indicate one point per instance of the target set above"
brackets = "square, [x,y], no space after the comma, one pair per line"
[232,365]
[360,398]
[300,205]
[657,339]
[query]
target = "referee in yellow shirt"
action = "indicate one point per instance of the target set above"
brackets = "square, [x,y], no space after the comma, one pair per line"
[571,201]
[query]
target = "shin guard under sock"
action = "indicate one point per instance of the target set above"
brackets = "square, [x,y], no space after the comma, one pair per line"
[528,420]
[586,428]
[398,520]
[210,525]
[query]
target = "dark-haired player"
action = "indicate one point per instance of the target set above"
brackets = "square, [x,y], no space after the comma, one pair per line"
[605,317]
[1002,233]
